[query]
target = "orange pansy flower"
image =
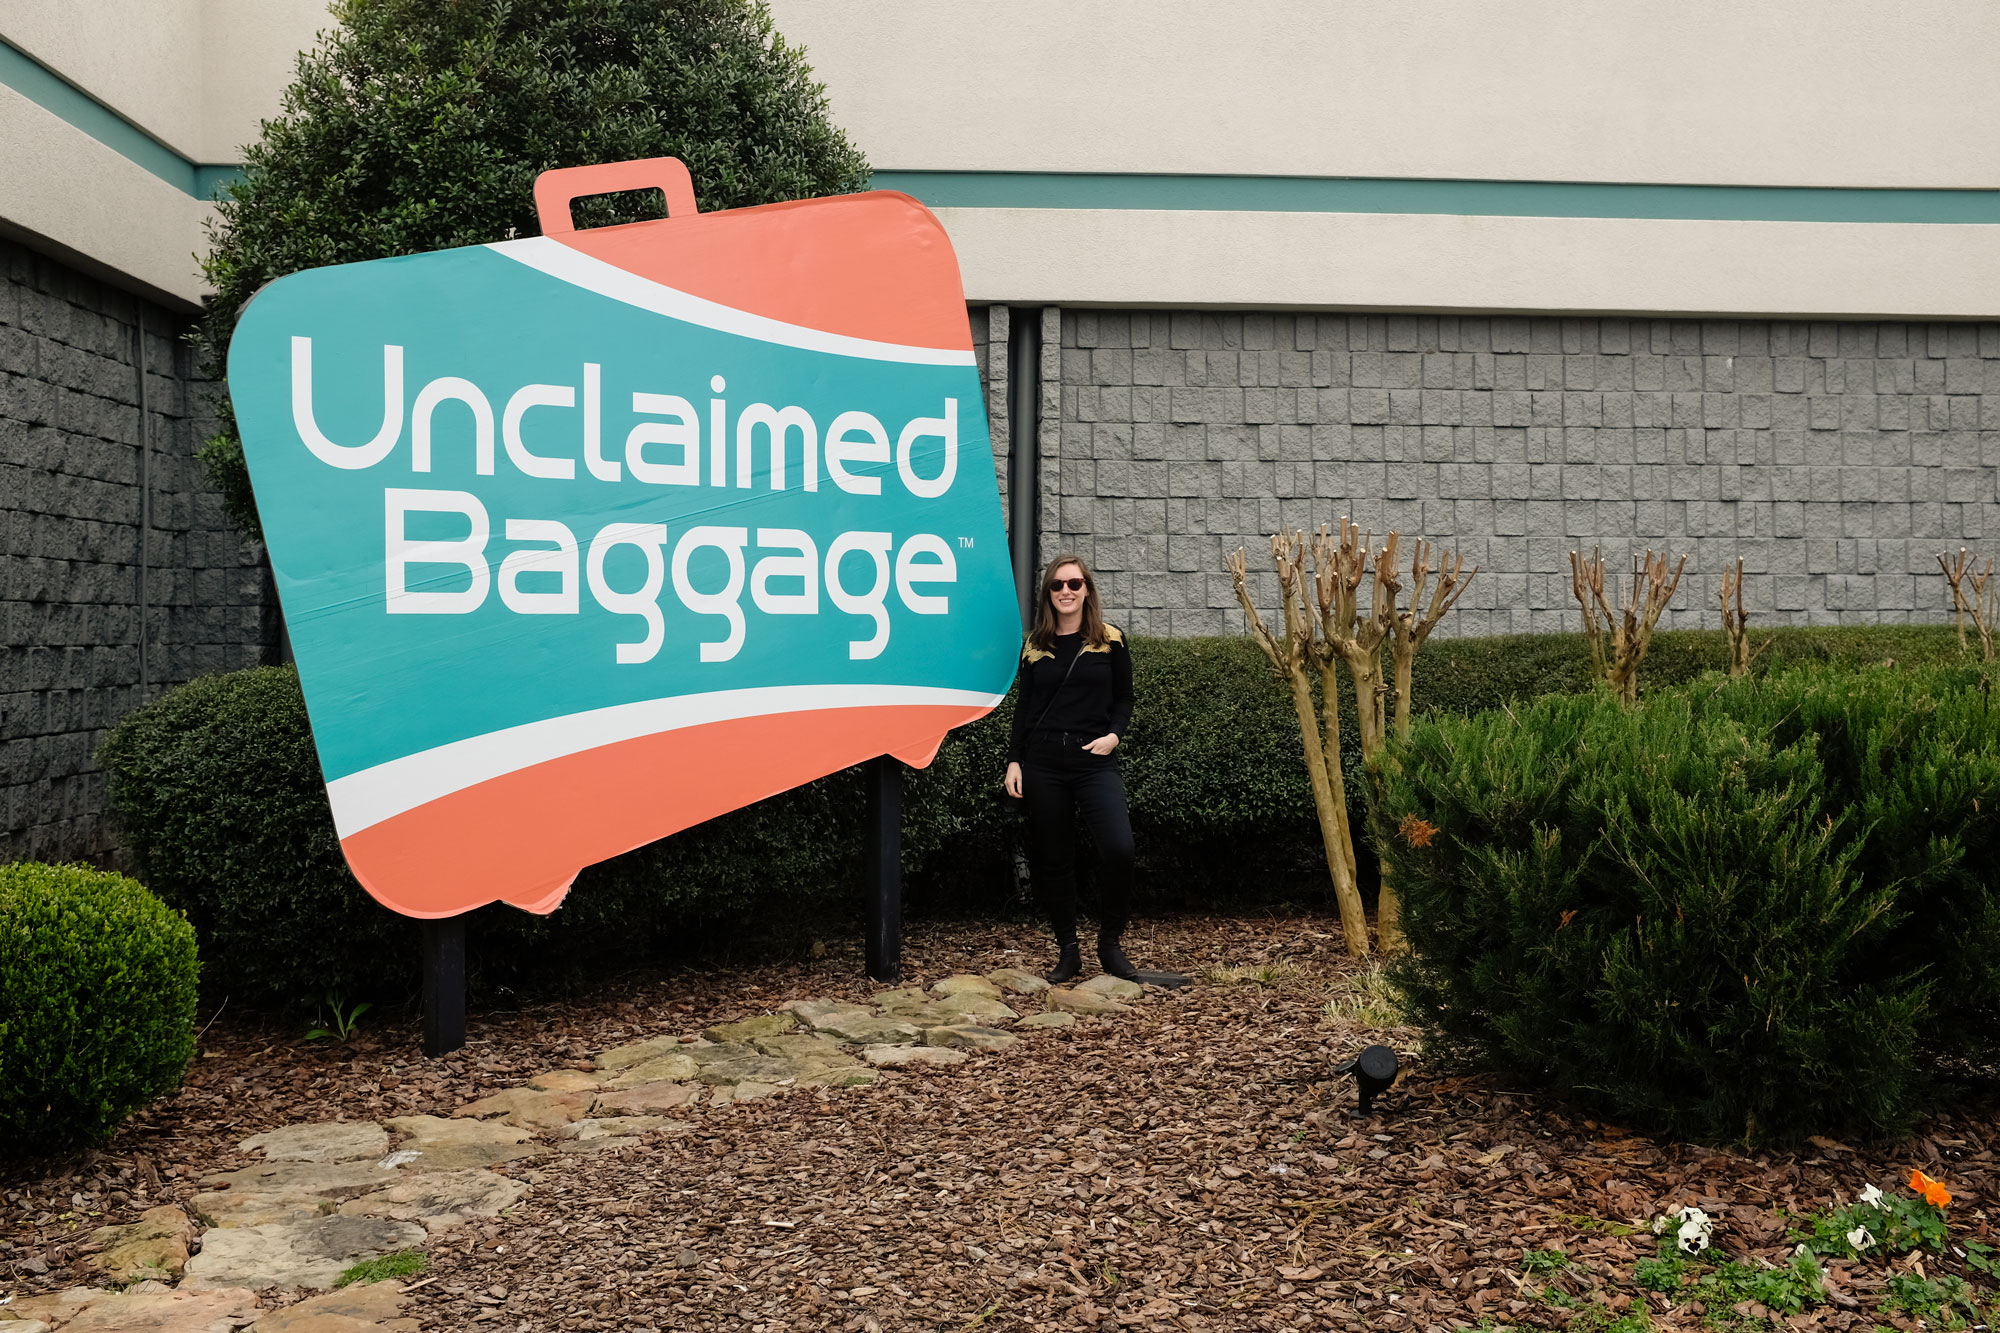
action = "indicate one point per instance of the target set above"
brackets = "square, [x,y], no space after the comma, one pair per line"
[1933,1191]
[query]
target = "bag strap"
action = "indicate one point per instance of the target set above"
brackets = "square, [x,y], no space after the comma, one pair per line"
[1057,693]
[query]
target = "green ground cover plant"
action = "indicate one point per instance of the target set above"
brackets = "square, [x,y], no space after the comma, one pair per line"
[1750,910]
[97,1002]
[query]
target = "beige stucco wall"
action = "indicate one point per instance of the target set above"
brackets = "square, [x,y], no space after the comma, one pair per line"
[197,74]
[1787,92]
[1781,92]
[1388,261]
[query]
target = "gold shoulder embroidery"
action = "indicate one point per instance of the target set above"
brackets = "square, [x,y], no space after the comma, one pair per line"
[1111,636]
[1031,654]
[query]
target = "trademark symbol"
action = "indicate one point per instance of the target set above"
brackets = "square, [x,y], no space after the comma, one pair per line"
[965,543]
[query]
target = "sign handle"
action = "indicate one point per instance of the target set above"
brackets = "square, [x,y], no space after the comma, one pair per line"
[882,868]
[444,985]
[556,190]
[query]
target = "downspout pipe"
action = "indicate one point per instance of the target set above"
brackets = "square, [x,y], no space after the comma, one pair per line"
[145,509]
[1024,415]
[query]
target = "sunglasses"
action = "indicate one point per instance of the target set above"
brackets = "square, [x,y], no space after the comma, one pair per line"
[1074,585]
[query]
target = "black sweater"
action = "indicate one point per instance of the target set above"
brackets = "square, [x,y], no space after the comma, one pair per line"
[1091,699]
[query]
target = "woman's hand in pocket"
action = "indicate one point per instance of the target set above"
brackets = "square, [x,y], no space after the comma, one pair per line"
[1013,782]
[1104,744]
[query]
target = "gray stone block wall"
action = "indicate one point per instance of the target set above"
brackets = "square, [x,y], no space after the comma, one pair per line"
[70,531]
[1838,459]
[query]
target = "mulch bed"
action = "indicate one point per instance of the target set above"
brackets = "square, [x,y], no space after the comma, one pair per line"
[1189,1166]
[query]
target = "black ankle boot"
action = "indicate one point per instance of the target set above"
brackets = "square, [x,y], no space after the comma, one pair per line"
[1067,967]
[1113,960]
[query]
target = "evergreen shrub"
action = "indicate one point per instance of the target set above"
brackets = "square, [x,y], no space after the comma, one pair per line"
[219,795]
[418,125]
[219,792]
[97,1001]
[1747,910]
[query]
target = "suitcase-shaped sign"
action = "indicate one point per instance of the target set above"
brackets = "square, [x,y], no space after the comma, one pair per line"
[584,538]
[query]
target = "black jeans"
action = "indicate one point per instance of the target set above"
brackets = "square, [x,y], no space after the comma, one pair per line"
[1061,780]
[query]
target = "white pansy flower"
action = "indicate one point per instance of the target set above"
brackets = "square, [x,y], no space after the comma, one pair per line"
[1869,1194]
[1860,1239]
[1695,1230]
[1659,1225]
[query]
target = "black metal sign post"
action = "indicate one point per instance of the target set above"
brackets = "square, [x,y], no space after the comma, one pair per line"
[444,985]
[882,868]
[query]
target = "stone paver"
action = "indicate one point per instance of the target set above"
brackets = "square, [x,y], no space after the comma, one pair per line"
[1016,982]
[817,1013]
[525,1108]
[740,1064]
[977,1008]
[965,984]
[766,1025]
[1084,1002]
[648,1098]
[619,1126]
[148,1307]
[896,1056]
[1115,987]
[638,1052]
[969,1036]
[439,1199]
[675,1066]
[876,1031]
[803,1046]
[59,1308]
[354,1309]
[283,1191]
[290,1255]
[154,1246]
[329,1195]
[334,1141]
[566,1080]
[447,1145]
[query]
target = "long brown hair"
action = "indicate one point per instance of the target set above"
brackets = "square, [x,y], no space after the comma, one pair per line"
[1043,635]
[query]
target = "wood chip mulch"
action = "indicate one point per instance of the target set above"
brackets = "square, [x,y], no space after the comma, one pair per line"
[1192,1165]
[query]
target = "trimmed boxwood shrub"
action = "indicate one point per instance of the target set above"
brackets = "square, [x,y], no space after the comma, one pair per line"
[97,997]
[1748,910]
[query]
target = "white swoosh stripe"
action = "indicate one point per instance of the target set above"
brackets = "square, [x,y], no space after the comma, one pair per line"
[374,794]
[561,262]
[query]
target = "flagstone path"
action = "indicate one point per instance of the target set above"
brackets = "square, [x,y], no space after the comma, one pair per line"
[328,1196]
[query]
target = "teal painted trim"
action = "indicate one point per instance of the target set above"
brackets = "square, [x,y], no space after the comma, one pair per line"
[59,97]
[209,181]
[1361,194]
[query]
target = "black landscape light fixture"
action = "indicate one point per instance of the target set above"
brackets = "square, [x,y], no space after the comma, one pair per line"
[1374,1070]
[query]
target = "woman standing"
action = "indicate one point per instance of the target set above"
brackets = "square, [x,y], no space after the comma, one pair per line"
[1074,703]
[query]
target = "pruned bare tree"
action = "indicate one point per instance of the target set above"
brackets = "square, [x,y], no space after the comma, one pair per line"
[1413,626]
[1974,595]
[1736,622]
[1293,654]
[1618,637]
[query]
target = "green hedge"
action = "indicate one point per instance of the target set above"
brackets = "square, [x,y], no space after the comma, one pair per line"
[219,795]
[221,799]
[1748,910]
[97,1000]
